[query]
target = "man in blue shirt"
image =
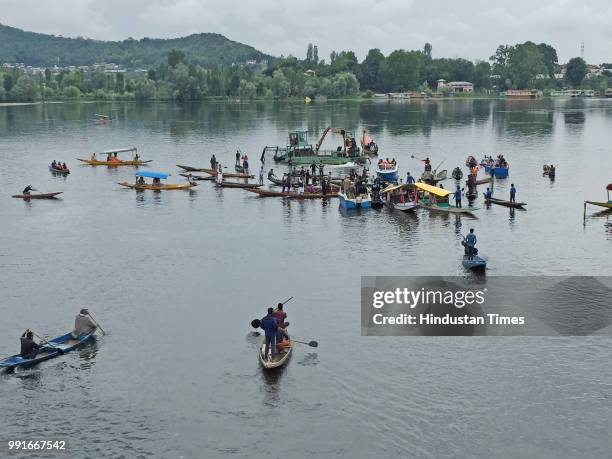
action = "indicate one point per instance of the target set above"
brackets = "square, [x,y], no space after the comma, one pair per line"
[489,193]
[470,241]
[458,197]
[409,178]
[270,327]
[512,193]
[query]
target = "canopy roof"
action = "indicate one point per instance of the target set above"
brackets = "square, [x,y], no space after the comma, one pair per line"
[119,150]
[609,187]
[151,174]
[432,189]
[395,187]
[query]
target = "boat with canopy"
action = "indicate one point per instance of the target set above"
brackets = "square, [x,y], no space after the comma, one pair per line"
[109,158]
[437,199]
[368,146]
[607,205]
[406,206]
[156,185]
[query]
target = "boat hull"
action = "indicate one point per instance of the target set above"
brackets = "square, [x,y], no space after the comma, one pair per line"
[64,343]
[500,172]
[38,196]
[450,209]
[176,186]
[225,184]
[95,162]
[405,206]
[607,205]
[355,203]
[278,360]
[501,202]
[59,171]
[476,263]
[291,195]
[389,175]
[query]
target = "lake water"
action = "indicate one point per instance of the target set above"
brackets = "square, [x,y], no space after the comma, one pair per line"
[176,277]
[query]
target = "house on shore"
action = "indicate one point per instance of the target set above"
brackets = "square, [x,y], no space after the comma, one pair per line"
[455,86]
[523,94]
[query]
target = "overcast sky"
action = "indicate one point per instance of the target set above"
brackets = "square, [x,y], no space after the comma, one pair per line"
[456,28]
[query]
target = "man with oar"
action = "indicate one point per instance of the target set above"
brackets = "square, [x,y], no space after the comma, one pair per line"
[83,324]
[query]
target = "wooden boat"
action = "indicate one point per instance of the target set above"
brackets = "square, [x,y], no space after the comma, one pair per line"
[291,195]
[239,169]
[280,359]
[38,195]
[363,201]
[157,186]
[434,177]
[476,263]
[197,177]
[441,206]
[387,172]
[483,181]
[57,346]
[59,171]
[405,206]
[368,146]
[607,205]
[213,172]
[501,202]
[225,184]
[278,182]
[116,162]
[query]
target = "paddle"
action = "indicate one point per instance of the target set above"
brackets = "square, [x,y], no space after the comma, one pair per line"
[43,340]
[310,343]
[97,323]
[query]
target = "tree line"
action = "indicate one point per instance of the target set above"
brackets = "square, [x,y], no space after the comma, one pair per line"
[525,65]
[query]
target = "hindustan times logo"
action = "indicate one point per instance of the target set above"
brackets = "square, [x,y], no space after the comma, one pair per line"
[414,298]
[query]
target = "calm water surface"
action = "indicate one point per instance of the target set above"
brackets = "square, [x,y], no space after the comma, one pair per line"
[176,277]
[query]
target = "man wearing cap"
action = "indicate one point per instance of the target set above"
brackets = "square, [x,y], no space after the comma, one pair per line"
[83,324]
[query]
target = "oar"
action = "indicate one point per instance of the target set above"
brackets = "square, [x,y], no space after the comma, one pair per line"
[43,340]
[97,323]
[310,343]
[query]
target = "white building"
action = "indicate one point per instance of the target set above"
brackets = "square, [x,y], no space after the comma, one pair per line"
[456,86]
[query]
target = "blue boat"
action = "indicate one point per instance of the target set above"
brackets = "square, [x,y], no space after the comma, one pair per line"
[363,201]
[475,263]
[57,346]
[387,172]
[499,172]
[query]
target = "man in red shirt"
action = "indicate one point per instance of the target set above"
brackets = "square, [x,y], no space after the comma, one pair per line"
[280,317]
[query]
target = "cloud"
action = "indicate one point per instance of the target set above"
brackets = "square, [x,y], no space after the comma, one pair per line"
[470,28]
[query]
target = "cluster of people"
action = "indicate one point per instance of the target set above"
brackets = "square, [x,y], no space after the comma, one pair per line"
[275,326]
[386,164]
[245,161]
[83,325]
[355,185]
[59,166]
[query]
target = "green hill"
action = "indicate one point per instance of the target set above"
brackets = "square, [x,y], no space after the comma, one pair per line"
[37,49]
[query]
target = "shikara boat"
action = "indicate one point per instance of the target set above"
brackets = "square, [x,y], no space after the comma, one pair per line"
[276,181]
[276,361]
[225,184]
[197,177]
[387,172]
[38,195]
[56,347]
[443,206]
[501,202]
[59,171]
[607,205]
[213,172]
[292,195]
[476,263]
[401,206]
[483,181]
[368,146]
[157,186]
[93,161]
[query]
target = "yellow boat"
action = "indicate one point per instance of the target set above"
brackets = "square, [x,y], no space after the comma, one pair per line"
[607,205]
[156,185]
[443,206]
[135,161]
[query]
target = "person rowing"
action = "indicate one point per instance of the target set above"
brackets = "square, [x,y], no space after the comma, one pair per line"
[29,348]
[512,193]
[261,175]
[213,162]
[458,197]
[409,179]
[27,189]
[427,164]
[54,165]
[237,157]
[489,193]
[470,242]
[269,324]
[83,324]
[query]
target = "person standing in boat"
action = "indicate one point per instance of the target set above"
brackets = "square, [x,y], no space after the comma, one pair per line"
[489,193]
[313,169]
[261,174]
[29,348]
[27,189]
[458,197]
[220,174]
[470,242]
[270,327]
[213,162]
[409,179]
[237,158]
[512,193]
[427,164]
[321,170]
[83,324]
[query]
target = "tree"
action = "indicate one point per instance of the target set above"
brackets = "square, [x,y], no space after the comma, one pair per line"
[482,75]
[280,84]
[575,71]
[175,57]
[309,53]
[25,90]
[315,54]
[72,92]
[144,90]
[370,68]
[427,49]
[47,76]
[549,55]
